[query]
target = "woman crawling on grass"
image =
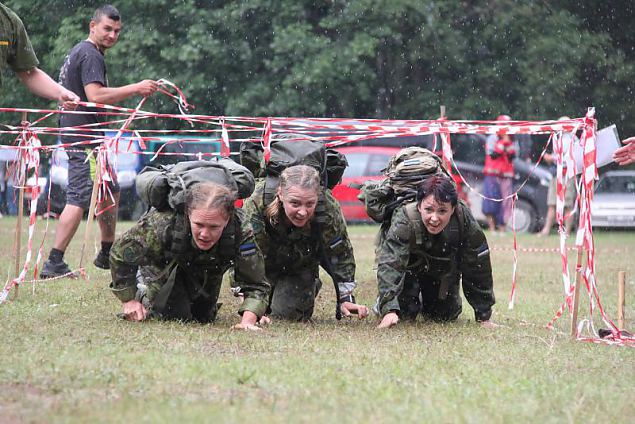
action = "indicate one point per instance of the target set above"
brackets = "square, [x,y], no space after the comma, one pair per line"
[431,245]
[296,240]
[181,260]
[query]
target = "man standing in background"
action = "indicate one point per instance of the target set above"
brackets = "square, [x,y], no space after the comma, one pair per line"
[84,71]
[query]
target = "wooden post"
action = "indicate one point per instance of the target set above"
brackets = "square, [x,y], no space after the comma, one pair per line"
[442,111]
[576,296]
[91,210]
[621,302]
[17,242]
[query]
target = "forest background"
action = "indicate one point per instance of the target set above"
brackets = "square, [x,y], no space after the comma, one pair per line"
[397,59]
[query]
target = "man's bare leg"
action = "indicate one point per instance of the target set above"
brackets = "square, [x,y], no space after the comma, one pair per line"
[107,225]
[67,226]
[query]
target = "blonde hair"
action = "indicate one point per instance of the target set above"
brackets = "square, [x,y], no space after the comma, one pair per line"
[301,176]
[208,195]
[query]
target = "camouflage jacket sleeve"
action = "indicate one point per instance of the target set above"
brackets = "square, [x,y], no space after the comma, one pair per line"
[393,254]
[338,260]
[249,270]
[142,244]
[476,267]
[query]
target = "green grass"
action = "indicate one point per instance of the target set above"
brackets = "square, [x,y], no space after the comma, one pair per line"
[67,358]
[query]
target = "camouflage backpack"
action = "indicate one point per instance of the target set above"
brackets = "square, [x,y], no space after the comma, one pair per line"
[405,171]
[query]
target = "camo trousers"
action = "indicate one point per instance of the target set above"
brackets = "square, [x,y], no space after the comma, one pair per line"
[421,294]
[293,295]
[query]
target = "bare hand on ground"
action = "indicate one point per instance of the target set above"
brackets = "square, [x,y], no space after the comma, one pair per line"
[265,320]
[389,320]
[133,310]
[248,322]
[349,308]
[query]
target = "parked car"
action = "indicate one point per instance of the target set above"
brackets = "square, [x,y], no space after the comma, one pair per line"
[614,201]
[367,162]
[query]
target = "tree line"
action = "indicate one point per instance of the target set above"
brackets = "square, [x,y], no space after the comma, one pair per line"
[391,59]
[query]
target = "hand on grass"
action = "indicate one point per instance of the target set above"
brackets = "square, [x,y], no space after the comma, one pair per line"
[389,320]
[265,320]
[248,322]
[133,310]
[349,308]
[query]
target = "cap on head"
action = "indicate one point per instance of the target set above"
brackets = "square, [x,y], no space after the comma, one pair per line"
[504,118]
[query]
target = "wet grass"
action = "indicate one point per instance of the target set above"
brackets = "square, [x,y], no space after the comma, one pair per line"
[67,358]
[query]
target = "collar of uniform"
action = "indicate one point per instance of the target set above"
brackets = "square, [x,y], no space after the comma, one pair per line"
[287,228]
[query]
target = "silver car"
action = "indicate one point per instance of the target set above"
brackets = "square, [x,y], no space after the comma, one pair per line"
[614,201]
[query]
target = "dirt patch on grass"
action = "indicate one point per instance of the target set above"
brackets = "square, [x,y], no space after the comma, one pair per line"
[23,402]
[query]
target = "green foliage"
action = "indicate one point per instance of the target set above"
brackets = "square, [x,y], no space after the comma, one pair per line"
[368,58]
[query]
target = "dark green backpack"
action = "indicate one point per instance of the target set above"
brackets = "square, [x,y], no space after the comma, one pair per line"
[289,150]
[164,187]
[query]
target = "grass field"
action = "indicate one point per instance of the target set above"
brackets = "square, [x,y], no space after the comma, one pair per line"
[67,358]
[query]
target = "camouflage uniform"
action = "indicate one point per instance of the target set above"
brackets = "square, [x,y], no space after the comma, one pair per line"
[421,272]
[292,255]
[185,285]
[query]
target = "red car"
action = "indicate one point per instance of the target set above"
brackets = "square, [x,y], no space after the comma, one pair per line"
[364,163]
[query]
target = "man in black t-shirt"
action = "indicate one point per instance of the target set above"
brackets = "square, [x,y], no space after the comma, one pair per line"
[84,72]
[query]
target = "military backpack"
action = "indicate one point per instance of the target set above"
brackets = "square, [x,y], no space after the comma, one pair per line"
[164,188]
[405,172]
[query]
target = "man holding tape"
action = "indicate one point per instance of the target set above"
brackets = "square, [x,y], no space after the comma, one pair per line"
[84,71]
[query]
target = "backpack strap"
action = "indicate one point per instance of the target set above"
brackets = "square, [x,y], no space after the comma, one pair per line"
[227,242]
[415,219]
[179,237]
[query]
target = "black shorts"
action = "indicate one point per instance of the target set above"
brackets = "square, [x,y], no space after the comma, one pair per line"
[80,183]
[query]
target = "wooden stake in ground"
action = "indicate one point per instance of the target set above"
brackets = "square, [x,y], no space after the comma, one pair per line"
[17,242]
[91,210]
[576,296]
[621,302]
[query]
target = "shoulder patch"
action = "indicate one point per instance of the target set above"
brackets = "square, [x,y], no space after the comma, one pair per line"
[247,249]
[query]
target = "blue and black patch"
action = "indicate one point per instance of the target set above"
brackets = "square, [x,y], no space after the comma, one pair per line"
[247,249]
[335,242]
[482,250]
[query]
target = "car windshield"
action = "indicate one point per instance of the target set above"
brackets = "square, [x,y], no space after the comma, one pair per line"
[617,184]
[356,164]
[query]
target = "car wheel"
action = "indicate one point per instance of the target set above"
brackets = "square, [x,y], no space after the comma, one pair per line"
[525,216]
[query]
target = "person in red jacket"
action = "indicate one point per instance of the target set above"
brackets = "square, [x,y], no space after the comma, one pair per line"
[500,152]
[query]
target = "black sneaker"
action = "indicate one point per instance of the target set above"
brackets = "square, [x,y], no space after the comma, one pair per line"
[102,261]
[52,270]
